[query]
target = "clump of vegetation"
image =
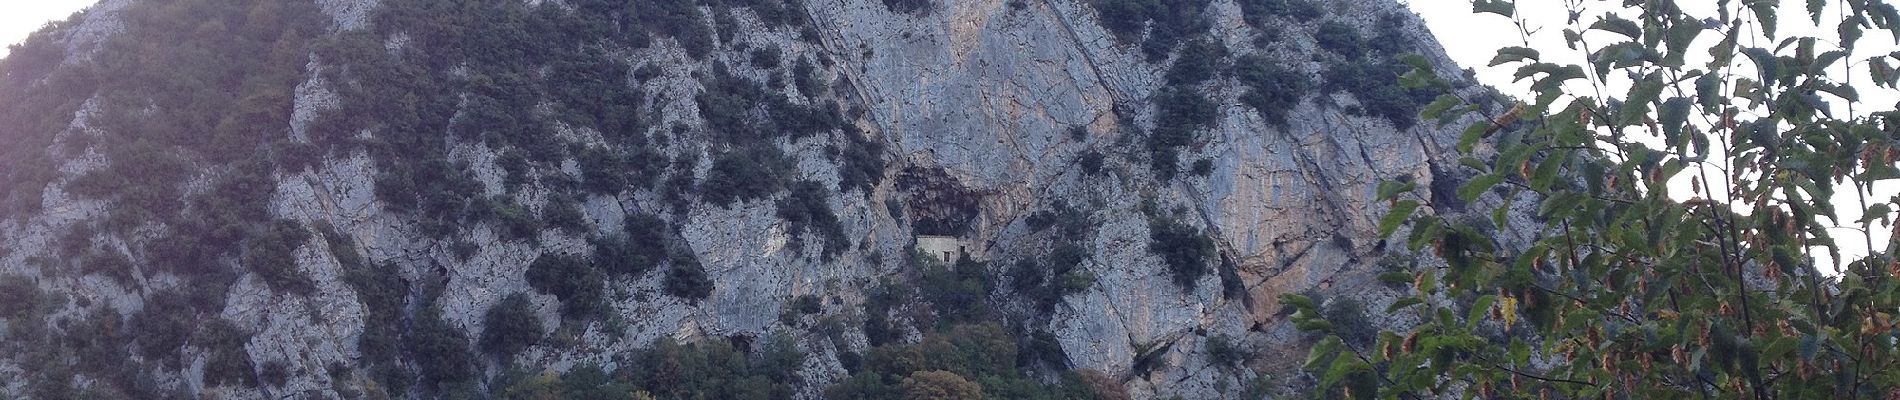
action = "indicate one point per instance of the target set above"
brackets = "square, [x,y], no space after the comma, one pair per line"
[269,255]
[19,296]
[581,288]
[687,279]
[958,292]
[1370,71]
[1167,23]
[1223,352]
[509,327]
[863,162]
[1180,114]
[1091,163]
[714,369]
[767,57]
[1272,90]
[441,352]
[1256,12]
[908,6]
[1341,39]
[227,362]
[1183,248]
[807,211]
[745,174]
[639,248]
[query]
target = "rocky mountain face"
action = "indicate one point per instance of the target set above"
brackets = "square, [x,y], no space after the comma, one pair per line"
[423,198]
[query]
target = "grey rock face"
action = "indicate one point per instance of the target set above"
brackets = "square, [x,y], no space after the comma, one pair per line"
[983,91]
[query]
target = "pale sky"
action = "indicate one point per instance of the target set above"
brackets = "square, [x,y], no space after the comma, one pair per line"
[18,18]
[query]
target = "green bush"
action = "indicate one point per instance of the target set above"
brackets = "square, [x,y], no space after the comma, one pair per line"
[1272,90]
[227,362]
[275,373]
[745,174]
[509,327]
[908,6]
[767,57]
[1172,22]
[637,250]
[806,210]
[805,78]
[1375,85]
[564,213]
[1341,39]
[581,288]
[602,171]
[957,292]
[513,222]
[863,162]
[1180,114]
[1091,163]
[19,296]
[1348,317]
[269,254]
[1255,12]
[1199,60]
[688,281]
[1184,249]
[440,351]
[1222,351]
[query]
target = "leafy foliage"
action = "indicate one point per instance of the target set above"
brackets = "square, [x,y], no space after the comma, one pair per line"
[582,288]
[510,326]
[688,279]
[641,246]
[1669,252]
[1184,249]
[807,211]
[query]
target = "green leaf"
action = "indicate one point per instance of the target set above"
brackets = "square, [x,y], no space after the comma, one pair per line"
[1878,211]
[1843,91]
[1396,277]
[1642,94]
[1821,62]
[1674,116]
[1765,62]
[1323,353]
[1514,54]
[1471,190]
[1400,212]
[1546,174]
[1403,303]
[1339,370]
[1563,203]
[1815,7]
[1391,189]
[1882,72]
[1499,7]
[1850,31]
[1478,309]
[1438,107]
[1298,301]
[1619,25]
[1472,134]
[1765,12]
[1779,348]
[1313,325]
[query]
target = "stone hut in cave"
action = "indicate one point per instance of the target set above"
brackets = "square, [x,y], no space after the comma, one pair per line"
[949,249]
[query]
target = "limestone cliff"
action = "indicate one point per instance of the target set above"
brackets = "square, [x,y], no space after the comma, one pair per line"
[982,120]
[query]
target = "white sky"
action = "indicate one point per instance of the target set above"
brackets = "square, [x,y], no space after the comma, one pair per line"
[1470,39]
[18,18]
